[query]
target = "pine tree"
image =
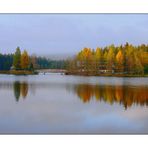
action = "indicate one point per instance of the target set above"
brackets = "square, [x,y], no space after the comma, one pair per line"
[17,59]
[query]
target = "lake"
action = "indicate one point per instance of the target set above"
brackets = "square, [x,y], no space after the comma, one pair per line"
[60,104]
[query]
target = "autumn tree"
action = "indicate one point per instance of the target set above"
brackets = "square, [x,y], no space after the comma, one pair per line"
[87,54]
[17,59]
[138,68]
[80,61]
[84,59]
[130,59]
[24,60]
[98,59]
[105,53]
[110,59]
[120,61]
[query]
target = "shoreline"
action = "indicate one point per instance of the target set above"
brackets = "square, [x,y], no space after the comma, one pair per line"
[106,75]
[19,72]
[27,72]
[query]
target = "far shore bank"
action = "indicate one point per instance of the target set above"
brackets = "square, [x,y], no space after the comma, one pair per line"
[27,72]
[106,75]
[19,72]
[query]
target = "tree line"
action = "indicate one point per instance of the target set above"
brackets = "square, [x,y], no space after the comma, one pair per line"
[23,61]
[123,59]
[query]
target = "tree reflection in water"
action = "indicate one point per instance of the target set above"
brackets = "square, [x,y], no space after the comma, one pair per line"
[20,89]
[125,95]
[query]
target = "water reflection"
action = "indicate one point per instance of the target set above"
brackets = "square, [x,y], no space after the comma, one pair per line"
[20,89]
[123,95]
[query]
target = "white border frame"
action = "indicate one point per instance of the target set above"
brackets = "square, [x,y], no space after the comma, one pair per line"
[73,6]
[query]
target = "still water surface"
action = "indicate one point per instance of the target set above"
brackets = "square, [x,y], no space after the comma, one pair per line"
[55,103]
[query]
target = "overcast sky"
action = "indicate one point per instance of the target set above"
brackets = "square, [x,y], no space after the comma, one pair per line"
[49,34]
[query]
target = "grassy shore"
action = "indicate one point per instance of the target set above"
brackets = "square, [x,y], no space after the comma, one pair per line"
[106,74]
[19,72]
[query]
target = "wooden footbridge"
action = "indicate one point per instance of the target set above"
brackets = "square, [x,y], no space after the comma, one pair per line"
[45,71]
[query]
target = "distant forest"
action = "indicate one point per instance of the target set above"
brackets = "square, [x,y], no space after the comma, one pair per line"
[23,60]
[123,59]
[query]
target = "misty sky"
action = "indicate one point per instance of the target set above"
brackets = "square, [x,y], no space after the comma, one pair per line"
[49,34]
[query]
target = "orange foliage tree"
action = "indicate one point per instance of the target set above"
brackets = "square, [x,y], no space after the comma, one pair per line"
[24,60]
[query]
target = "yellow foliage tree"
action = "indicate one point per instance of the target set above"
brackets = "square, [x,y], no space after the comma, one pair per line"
[98,58]
[105,56]
[119,57]
[85,59]
[110,59]
[120,60]
[98,54]
[24,60]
